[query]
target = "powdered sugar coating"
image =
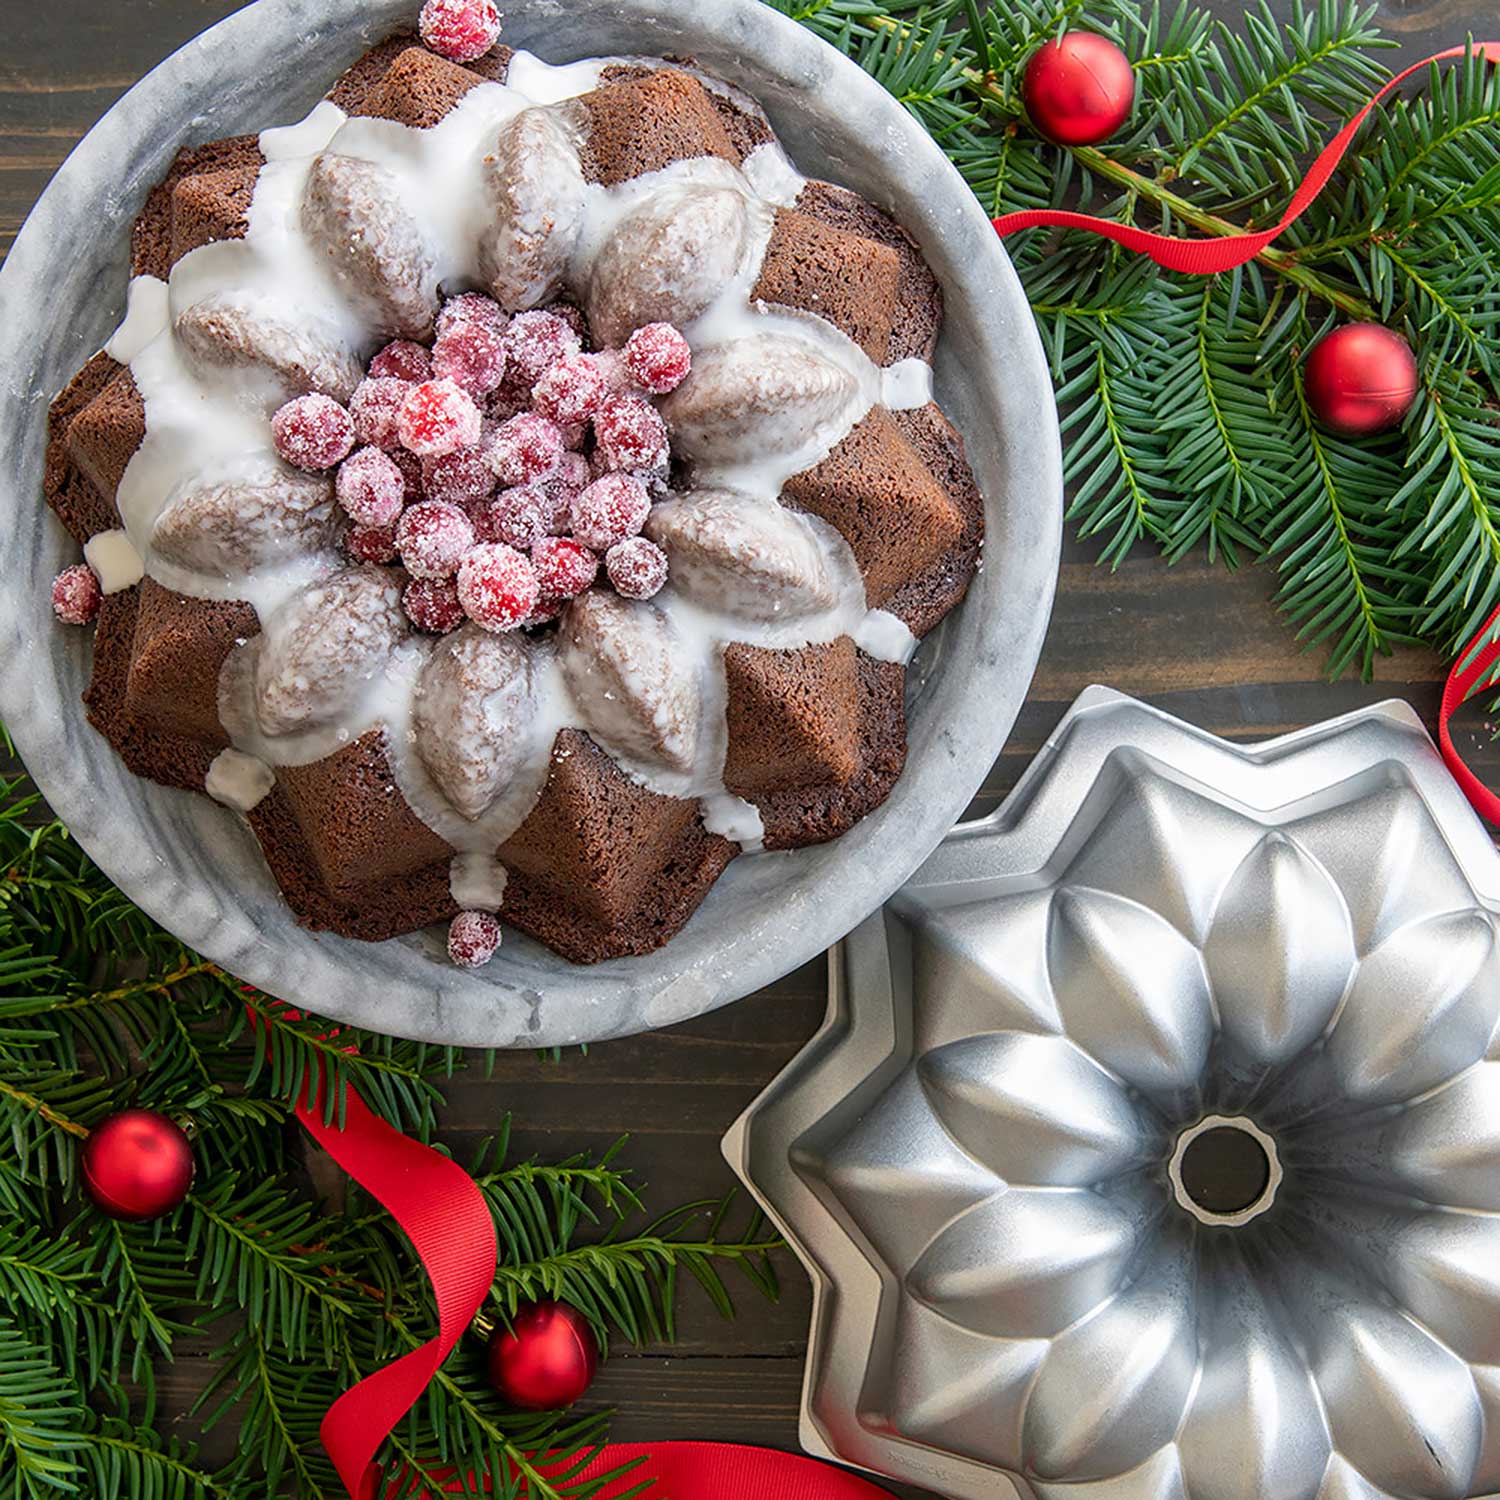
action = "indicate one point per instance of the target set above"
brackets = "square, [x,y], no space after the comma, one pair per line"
[376,408]
[371,544]
[76,595]
[525,447]
[564,567]
[612,508]
[370,488]
[473,937]
[535,341]
[572,389]
[463,477]
[636,567]
[471,307]
[312,432]
[472,354]
[658,358]
[432,538]
[437,417]
[497,586]
[630,434]
[520,516]
[432,605]
[461,30]
[402,359]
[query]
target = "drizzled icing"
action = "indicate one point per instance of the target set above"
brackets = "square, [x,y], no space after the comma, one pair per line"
[208,432]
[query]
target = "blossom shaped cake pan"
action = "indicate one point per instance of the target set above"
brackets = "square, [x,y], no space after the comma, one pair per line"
[192,865]
[1151,1146]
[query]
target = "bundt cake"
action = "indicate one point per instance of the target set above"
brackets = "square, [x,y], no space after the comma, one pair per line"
[513,485]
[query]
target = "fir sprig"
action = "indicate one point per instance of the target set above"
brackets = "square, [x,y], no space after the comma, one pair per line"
[101,1009]
[1183,418]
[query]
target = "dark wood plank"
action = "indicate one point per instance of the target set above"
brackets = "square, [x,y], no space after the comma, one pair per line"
[1196,640]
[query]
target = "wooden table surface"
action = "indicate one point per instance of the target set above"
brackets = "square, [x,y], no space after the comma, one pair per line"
[1198,641]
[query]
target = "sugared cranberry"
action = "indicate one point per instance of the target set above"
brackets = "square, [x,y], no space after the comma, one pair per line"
[564,568]
[471,307]
[572,315]
[432,604]
[520,516]
[411,473]
[471,354]
[371,488]
[371,544]
[630,434]
[658,358]
[473,937]
[460,29]
[497,586]
[463,477]
[572,390]
[312,432]
[546,611]
[636,567]
[76,595]
[525,448]
[376,406]
[432,539]
[437,417]
[402,360]
[609,510]
[534,342]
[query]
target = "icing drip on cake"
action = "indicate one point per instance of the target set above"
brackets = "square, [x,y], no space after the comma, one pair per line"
[471,719]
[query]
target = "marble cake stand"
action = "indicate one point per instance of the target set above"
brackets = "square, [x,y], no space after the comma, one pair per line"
[197,870]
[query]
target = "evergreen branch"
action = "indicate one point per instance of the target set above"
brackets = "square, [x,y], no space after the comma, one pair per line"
[39,1421]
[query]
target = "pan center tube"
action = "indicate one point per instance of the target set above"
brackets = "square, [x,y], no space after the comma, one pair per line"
[1224,1170]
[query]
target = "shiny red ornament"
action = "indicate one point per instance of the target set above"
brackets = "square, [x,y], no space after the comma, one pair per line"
[1361,379]
[137,1165]
[1078,88]
[546,1359]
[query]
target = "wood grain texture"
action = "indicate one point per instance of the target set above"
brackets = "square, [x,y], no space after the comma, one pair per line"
[1198,641]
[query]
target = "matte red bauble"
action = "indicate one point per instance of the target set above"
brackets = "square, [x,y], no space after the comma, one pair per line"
[1078,89]
[1361,379]
[546,1359]
[137,1165]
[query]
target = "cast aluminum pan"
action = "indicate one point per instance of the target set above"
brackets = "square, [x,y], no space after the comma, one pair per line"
[979,1155]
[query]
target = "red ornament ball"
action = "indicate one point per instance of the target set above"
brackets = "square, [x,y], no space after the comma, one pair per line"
[137,1165]
[1361,379]
[546,1359]
[1078,88]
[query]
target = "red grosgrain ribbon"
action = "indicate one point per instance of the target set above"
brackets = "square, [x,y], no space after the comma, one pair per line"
[687,1471]
[1203,257]
[1471,668]
[446,1218]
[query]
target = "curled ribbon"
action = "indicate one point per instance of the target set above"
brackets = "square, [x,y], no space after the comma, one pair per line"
[1469,671]
[444,1215]
[1204,257]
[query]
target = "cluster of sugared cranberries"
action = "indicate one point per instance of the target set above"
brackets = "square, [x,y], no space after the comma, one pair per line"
[505,468]
[76,595]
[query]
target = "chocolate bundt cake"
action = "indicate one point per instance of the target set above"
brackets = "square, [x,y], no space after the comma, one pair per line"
[603,504]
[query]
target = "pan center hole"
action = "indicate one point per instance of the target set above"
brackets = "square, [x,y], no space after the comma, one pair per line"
[1225,1170]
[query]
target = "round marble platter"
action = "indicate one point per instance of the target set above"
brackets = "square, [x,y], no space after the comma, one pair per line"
[193,865]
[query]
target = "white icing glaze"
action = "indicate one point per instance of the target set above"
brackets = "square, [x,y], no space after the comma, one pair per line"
[114,560]
[238,780]
[886,637]
[477,882]
[210,424]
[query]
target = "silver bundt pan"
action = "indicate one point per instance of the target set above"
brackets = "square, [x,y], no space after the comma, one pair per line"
[979,1156]
[198,870]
